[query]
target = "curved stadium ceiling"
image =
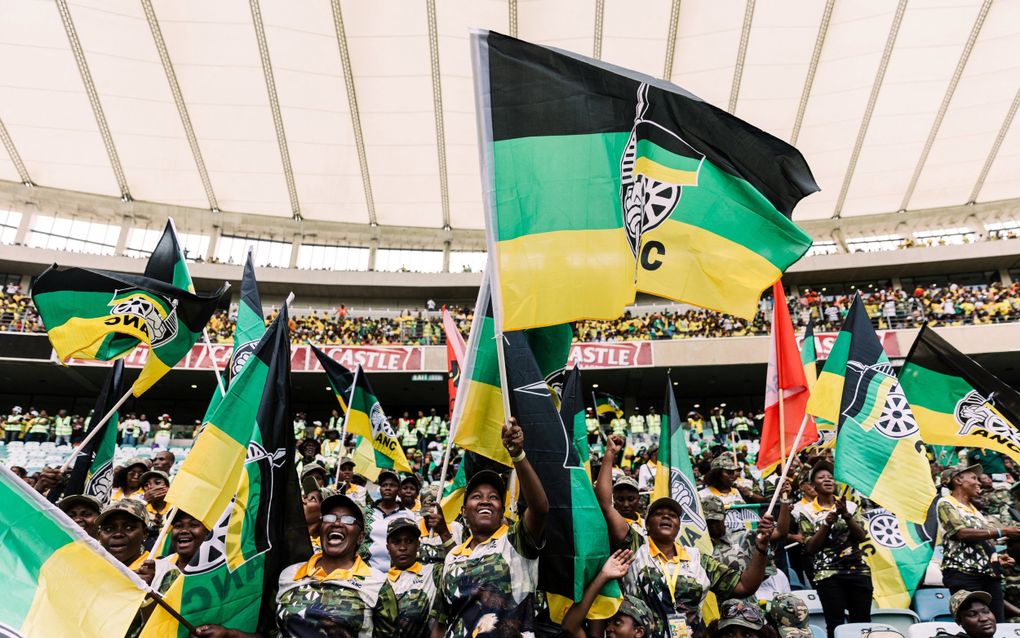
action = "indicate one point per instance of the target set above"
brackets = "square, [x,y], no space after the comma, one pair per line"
[362,111]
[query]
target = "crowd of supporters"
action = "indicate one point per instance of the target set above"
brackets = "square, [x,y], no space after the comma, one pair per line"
[888,308]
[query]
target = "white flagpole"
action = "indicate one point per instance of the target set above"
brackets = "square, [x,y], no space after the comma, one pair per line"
[788,463]
[94,430]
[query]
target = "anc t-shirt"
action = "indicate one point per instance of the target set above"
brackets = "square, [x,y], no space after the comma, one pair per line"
[967,557]
[839,555]
[489,591]
[359,600]
[415,588]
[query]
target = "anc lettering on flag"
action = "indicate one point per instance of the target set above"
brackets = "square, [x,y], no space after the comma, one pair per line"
[602,182]
[249,327]
[956,401]
[92,472]
[606,404]
[88,312]
[674,475]
[878,444]
[576,537]
[365,417]
[897,552]
[231,580]
[478,413]
[58,581]
[207,480]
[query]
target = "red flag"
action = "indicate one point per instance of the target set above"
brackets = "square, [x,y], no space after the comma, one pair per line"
[454,354]
[786,375]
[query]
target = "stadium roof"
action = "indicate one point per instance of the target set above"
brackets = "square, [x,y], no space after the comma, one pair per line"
[363,112]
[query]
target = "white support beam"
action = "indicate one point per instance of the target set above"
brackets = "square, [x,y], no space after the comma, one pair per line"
[1003,130]
[738,67]
[809,80]
[437,106]
[12,151]
[274,105]
[512,17]
[876,89]
[600,14]
[674,22]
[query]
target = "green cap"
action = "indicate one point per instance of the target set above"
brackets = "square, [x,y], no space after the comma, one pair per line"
[713,508]
[738,612]
[725,461]
[636,609]
[948,474]
[401,523]
[790,616]
[960,599]
[132,507]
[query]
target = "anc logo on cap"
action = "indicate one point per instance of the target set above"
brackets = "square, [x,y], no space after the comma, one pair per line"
[152,314]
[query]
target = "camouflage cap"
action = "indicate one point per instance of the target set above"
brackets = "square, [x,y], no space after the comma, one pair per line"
[428,497]
[790,616]
[136,460]
[312,467]
[626,481]
[725,461]
[948,474]
[91,502]
[959,600]
[740,613]
[401,523]
[713,508]
[130,506]
[346,461]
[154,474]
[636,609]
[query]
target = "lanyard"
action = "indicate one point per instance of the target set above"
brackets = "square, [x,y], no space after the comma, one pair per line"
[671,578]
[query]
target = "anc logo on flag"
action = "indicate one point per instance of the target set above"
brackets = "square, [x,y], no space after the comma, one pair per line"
[655,166]
[153,314]
[241,355]
[683,492]
[875,386]
[977,416]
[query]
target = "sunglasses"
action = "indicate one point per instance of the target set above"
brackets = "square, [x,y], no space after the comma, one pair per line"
[346,519]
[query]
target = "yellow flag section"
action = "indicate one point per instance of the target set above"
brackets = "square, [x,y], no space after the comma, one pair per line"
[364,460]
[57,580]
[365,417]
[898,553]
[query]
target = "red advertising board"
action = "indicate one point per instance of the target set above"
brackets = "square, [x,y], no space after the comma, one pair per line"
[825,340]
[371,358]
[612,354]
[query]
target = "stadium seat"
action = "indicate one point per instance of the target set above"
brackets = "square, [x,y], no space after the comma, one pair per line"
[1007,630]
[899,619]
[932,605]
[817,632]
[861,629]
[929,629]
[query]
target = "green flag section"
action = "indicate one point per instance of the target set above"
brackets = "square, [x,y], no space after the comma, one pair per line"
[606,404]
[878,444]
[231,580]
[674,476]
[602,182]
[92,472]
[248,330]
[365,417]
[478,413]
[956,401]
[57,580]
[898,553]
[808,354]
[167,263]
[340,378]
[576,537]
[88,312]
[207,480]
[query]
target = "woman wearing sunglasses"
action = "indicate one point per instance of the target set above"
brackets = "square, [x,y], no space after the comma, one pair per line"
[335,593]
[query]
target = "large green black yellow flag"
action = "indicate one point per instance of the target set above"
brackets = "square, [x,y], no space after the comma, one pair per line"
[576,537]
[365,417]
[956,401]
[603,182]
[878,444]
[88,314]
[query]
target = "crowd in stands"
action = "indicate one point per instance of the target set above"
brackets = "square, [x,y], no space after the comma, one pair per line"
[888,308]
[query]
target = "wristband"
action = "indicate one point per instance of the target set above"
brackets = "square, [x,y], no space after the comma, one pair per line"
[519,457]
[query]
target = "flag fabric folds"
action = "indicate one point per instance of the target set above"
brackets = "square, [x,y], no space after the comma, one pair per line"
[58,581]
[340,378]
[674,475]
[478,414]
[365,417]
[249,327]
[956,401]
[576,536]
[878,444]
[606,404]
[602,182]
[92,472]
[898,553]
[208,478]
[785,379]
[456,350]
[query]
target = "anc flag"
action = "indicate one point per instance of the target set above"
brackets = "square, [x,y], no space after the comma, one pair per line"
[365,417]
[602,182]
[166,263]
[231,580]
[878,444]
[898,553]
[340,378]
[606,404]
[58,581]
[208,478]
[248,330]
[956,401]
[92,472]
[674,476]
[808,354]
[478,413]
[87,313]
[576,536]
